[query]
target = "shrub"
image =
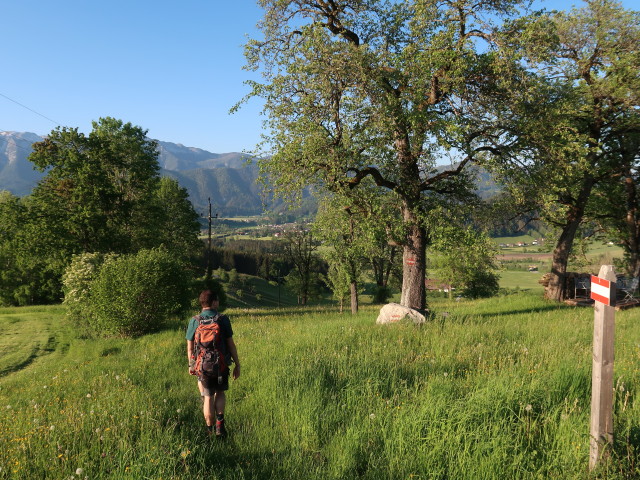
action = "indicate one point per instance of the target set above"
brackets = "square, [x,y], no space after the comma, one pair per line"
[76,281]
[134,294]
[482,284]
[382,294]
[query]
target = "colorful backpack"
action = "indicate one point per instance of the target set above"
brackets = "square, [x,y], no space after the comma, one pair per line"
[209,348]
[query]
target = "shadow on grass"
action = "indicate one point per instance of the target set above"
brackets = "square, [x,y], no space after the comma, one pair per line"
[283,312]
[464,317]
[38,351]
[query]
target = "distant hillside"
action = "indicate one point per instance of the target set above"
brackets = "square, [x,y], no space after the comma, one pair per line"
[233,191]
[177,158]
[228,178]
[16,172]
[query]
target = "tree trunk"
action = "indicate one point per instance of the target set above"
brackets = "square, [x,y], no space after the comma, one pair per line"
[413,264]
[354,298]
[557,288]
[632,243]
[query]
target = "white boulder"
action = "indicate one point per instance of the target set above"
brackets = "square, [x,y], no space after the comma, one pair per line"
[394,312]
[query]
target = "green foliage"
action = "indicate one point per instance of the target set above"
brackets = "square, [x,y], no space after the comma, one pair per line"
[11,217]
[233,278]
[300,248]
[465,260]
[338,281]
[29,272]
[355,227]
[379,91]
[579,71]
[176,223]
[381,294]
[135,294]
[97,194]
[77,282]
[101,194]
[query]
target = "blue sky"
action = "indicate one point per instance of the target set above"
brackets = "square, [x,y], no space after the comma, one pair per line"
[172,67]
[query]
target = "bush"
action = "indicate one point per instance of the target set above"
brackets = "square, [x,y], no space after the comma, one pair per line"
[134,294]
[482,285]
[382,294]
[77,280]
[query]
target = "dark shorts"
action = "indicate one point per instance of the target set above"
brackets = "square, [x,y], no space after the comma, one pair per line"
[211,385]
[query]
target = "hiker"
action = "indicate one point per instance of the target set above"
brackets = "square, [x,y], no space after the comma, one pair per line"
[212,381]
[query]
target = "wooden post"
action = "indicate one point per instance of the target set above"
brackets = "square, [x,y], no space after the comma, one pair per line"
[602,376]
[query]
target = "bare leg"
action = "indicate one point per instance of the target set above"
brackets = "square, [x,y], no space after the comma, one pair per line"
[207,411]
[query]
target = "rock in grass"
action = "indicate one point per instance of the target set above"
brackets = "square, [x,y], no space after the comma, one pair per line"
[394,313]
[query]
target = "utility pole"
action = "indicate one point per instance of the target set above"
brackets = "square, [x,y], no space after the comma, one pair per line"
[209,217]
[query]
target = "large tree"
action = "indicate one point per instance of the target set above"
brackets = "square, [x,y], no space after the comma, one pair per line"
[358,89]
[98,188]
[618,200]
[102,193]
[585,77]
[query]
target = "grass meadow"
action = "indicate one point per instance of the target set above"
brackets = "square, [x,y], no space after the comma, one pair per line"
[490,389]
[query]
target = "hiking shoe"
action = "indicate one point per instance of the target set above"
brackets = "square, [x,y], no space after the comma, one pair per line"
[221,432]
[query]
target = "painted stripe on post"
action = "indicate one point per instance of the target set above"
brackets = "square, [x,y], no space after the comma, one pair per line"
[603,291]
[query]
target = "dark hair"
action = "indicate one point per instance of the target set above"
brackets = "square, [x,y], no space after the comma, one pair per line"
[207,297]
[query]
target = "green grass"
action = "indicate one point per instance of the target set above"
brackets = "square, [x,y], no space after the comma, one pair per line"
[521,280]
[498,388]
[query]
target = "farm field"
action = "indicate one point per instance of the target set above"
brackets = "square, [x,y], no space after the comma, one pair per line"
[496,388]
[511,280]
[516,261]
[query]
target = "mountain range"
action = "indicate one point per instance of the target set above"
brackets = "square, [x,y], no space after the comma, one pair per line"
[229,179]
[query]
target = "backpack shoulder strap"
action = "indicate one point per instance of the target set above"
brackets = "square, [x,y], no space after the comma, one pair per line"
[202,319]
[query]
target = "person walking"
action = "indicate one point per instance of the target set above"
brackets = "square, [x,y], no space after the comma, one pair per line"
[213,386]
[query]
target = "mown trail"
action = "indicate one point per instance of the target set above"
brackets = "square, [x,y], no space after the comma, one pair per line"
[30,333]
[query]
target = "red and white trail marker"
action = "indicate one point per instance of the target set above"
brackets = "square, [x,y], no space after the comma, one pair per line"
[603,291]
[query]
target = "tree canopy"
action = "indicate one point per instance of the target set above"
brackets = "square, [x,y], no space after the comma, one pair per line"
[102,193]
[383,90]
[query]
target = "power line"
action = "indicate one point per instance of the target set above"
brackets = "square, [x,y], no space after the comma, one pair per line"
[30,109]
